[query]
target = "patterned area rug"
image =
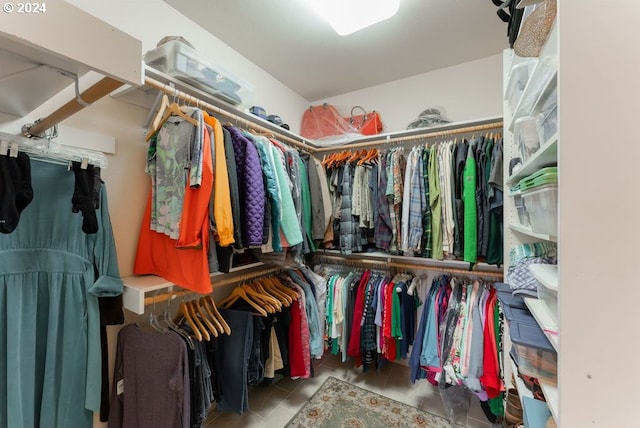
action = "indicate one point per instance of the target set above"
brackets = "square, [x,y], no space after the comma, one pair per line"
[339,404]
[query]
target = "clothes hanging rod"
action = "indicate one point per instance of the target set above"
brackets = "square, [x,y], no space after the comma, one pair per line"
[399,265]
[400,139]
[165,296]
[226,281]
[247,276]
[100,89]
[167,89]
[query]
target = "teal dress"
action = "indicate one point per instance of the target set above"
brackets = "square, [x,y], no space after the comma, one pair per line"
[51,274]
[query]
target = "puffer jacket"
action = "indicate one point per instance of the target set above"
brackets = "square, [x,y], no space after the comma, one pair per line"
[273,190]
[250,186]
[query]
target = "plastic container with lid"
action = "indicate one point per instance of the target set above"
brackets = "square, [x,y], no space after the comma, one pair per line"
[547,277]
[550,298]
[526,136]
[508,299]
[542,206]
[181,61]
[523,216]
[547,175]
[547,124]
[536,355]
[518,315]
[517,81]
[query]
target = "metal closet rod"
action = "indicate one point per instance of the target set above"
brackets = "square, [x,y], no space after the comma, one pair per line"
[205,105]
[227,281]
[364,262]
[434,134]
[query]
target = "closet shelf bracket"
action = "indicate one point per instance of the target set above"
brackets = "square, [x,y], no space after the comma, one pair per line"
[139,288]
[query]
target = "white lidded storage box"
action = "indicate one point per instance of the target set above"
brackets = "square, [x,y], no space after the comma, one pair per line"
[181,61]
[548,124]
[523,215]
[526,136]
[542,206]
[518,79]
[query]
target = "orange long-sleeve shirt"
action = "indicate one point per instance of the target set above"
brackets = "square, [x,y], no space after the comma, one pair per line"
[221,193]
[183,262]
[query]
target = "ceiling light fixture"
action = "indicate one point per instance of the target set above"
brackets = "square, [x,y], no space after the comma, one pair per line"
[349,16]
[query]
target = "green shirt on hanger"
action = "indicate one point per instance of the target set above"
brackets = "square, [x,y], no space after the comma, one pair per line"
[436,205]
[470,208]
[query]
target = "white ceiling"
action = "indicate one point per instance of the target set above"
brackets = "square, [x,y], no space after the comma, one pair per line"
[287,40]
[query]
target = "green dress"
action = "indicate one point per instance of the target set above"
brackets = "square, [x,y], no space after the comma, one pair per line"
[51,274]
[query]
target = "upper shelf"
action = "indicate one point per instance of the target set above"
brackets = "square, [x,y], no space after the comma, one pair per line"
[149,97]
[542,78]
[527,231]
[546,155]
[546,274]
[34,48]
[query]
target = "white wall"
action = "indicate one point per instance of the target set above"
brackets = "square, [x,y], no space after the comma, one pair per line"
[599,202]
[467,91]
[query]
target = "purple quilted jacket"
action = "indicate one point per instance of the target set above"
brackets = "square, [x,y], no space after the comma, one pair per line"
[250,186]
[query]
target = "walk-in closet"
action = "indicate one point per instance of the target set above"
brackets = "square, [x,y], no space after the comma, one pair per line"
[241,214]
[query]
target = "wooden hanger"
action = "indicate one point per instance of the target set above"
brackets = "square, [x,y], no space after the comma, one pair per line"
[184,313]
[284,298]
[173,109]
[277,284]
[211,304]
[239,293]
[164,103]
[203,315]
[204,304]
[194,315]
[266,302]
[287,290]
[265,295]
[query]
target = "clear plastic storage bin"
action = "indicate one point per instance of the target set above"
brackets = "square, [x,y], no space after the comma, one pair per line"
[526,136]
[542,206]
[536,355]
[183,62]
[518,81]
[523,216]
[547,124]
[550,298]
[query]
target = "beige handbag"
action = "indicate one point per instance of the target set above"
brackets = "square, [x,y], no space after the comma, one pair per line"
[535,30]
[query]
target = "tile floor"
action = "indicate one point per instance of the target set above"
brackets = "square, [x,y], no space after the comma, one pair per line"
[274,406]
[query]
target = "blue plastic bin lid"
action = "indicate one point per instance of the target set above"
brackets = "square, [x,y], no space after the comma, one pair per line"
[506,298]
[531,336]
[501,286]
[514,356]
[518,315]
[535,412]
